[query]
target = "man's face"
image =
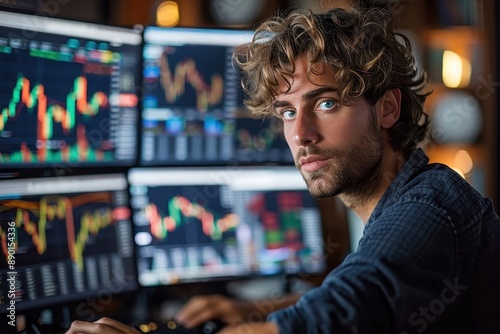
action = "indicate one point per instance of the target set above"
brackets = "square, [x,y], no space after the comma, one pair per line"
[337,148]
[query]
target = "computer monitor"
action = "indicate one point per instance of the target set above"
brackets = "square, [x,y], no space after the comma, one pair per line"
[193,111]
[197,224]
[68,94]
[355,229]
[63,240]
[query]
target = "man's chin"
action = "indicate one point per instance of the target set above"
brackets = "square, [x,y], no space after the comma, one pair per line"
[318,188]
[322,195]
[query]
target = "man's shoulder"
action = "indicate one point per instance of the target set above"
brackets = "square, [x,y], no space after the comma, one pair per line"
[439,182]
[443,189]
[419,179]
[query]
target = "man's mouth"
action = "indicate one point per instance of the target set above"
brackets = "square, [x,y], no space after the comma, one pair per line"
[311,163]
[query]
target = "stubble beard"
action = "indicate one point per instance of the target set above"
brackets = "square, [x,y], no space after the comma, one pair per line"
[353,172]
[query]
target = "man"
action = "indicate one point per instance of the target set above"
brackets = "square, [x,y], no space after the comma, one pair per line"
[351,101]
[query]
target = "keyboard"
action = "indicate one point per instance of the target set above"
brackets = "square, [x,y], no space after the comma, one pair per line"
[171,327]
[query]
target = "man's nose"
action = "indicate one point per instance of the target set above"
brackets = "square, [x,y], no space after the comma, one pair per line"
[305,129]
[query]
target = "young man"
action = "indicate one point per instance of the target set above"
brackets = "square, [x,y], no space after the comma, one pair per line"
[345,85]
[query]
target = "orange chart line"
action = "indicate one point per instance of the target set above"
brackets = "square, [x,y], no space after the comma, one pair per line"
[180,206]
[59,207]
[174,84]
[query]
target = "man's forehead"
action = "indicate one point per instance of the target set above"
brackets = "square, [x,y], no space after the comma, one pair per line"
[303,64]
[317,74]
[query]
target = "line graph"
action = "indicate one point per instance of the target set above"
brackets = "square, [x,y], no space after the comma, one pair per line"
[53,111]
[71,220]
[180,207]
[190,79]
[174,84]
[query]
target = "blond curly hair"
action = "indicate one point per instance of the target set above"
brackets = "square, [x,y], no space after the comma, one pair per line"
[362,47]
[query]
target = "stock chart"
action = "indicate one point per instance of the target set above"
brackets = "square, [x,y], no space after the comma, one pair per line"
[66,99]
[66,245]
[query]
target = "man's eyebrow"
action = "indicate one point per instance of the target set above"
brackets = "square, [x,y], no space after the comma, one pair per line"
[307,96]
[313,93]
[279,104]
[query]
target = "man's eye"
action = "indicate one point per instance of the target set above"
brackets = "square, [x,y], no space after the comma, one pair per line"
[326,105]
[288,115]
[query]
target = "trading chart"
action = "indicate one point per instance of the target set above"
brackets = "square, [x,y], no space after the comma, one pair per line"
[67,245]
[67,99]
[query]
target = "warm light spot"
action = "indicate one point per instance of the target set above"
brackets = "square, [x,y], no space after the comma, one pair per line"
[167,14]
[459,172]
[463,161]
[456,70]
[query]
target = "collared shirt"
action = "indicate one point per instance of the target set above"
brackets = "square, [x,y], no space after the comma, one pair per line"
[428,262]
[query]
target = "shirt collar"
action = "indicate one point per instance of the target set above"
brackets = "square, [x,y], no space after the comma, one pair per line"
[417,160]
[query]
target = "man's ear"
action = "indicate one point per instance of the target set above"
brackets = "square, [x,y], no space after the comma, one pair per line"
[391,108]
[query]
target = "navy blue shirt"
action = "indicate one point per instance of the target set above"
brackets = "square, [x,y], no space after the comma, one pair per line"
[428,262]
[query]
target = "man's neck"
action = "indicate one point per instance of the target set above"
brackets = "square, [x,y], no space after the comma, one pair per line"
[392,162]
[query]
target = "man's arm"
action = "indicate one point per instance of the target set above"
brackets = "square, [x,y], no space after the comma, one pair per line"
[200,309]
[405,260]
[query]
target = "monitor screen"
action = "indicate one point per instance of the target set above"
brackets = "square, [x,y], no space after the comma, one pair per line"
[355,227]
[193,111]
[64,239]
[68,94]
[195,224]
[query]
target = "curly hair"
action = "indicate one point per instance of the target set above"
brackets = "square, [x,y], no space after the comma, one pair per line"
[361,46]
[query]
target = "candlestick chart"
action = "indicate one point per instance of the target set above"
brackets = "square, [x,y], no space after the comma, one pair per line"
[195,85]
[261,140]
[190,79]
[183,211]
[192,235]
[65,246]
[182,216]
[54,111]
[68,100]
[285,229]
[279,213]
[60,227]
[197,223]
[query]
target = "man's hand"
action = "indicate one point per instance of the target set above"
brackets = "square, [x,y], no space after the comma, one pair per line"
[200,309]
[101,326]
